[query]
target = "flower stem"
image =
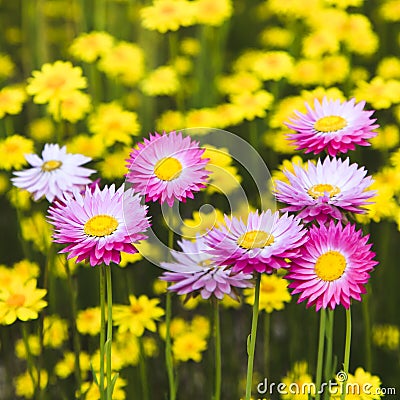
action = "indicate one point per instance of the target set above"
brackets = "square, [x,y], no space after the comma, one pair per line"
[168,347]
[109,332]
[75,335]
[267,334]
[253,335]
[25,338]
[328,371]
[102,328]
[320,357]
[347,346]
[217,341]
[143,371]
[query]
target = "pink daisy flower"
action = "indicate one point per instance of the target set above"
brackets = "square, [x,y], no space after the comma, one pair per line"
[325,190]
[167,167]
[334,266]
[57,172]
[261,245]
[99,224]
[194,271]
[332,126]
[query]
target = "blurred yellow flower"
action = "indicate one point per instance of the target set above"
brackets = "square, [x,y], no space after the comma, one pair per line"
[127,258]
[201,118]
[389,68]
[253,105]
[90,146]
[188,346]
[201,222]
[150,347]
[127,346]
[239,82]
[345,3]
[229,302]
[305,72]
[169,121]
[277,141]
[13,150]
[288,165]
[378,92]
[224,177]
[125,61]
[167,15]
[190,46]
[201,326]
[7,66]
[387,138]
[55,331]
[334,69]
[92,392]
[298,375]
[212,12]
[111,123]
[12,99]
[320,42]
[276,37]
[114,165]
[88,47]
[72,107]
[33,344]
[273,65]
[292,8]
[37,230]
[24,386]
[88,321]
[177,327]
[20,300]
[273,293]
[227,114]
[386,336]
[139,315]
[41,129]
[65,367]
[26,269]
[390,10]
[161,81]
[54,82]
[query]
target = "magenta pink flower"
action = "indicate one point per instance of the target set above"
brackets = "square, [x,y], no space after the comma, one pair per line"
[334,266]
[56,173]
[326,190]
[99,224]
[261,245]
[194,271]
[167,167]
[332,126]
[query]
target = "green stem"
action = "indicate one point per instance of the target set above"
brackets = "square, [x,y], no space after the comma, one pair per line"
[328,372]
[109,332]
[217,341]
[253,336]
[320,357]
[143,371]
[75,335]
[367,328]
[29,358]
[168,344]
[267,335]
[102,328]
[346,353]
[100,15]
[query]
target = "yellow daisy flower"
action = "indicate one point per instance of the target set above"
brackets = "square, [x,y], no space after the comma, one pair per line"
[89,47]
[114,165]
[73,107]
[389,68]
[89,146]
[302,379]
[188,346]
[111,123]
[387,336]
[21,300]
[253,105]
[24,386]
[170,121]
[65,367]
[163,81]
[273,293]
[139,315]
[26,269]
[88,321]
[7,66]
[239,82]
[13,150]
[201,222]
[125,61]
[41,129]
[212,12]
[92,391]
[276,37]
[55,331]
[37,230]
[167,15]
[387,138]
[33,344]
[54,82]
[12,99]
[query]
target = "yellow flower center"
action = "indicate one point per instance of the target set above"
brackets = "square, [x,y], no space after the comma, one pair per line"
[51,165]
[136,308]
[16,300]
[322,188]
[330,266]
[100,225]
[168,169]
[267,288]
[255,240]
[56,82]
[331,123]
